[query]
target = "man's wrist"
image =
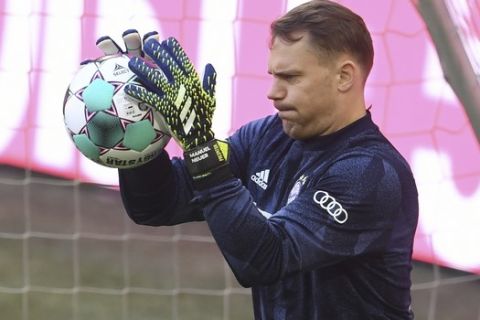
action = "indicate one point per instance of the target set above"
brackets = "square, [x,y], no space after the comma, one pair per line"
[208,164]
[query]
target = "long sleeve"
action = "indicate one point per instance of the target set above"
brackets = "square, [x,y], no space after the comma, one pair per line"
[158,193]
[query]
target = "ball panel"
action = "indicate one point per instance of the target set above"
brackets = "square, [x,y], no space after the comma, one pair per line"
[115,69]
[127,107]
[138,135]
[105,130]
[74,114]
[158,144]
[98,95]
[86,147]
[83,77]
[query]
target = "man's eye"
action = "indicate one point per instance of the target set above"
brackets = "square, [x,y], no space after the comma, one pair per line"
[291,78]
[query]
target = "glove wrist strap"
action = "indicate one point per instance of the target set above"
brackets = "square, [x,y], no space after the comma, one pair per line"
[208,163]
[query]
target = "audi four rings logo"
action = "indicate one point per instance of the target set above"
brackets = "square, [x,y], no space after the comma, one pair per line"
[331,205]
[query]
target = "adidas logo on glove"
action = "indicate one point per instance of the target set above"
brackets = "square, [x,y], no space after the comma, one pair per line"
[261,178]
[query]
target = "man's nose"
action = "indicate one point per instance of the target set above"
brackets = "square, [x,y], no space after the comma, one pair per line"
[276,92]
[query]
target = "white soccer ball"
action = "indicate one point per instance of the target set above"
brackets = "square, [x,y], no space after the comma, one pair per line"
[106,125]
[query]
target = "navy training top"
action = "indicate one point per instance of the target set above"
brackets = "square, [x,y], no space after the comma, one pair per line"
[320,229]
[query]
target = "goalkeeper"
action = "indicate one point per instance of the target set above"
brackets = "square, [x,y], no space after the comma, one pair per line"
[312,207]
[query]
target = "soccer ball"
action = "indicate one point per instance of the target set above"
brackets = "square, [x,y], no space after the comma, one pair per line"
[105,124]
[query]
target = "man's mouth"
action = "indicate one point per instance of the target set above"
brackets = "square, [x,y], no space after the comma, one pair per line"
[287,114]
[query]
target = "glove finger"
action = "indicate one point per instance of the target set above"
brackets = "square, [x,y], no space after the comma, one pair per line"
[150,35]
[151,78]
[108,46]
[156,102]
[133,43]
[209,80]
[176,51]
[142,94]
[147,36]
[162,58]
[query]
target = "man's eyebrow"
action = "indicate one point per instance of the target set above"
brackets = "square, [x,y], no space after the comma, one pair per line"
[284,72]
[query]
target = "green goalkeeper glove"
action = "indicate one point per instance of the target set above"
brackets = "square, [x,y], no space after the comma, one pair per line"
[175,90]
[187,104]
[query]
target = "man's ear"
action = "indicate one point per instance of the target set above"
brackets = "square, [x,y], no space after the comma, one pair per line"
[347,73]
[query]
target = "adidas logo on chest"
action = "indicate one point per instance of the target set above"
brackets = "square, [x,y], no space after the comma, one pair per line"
[261,178]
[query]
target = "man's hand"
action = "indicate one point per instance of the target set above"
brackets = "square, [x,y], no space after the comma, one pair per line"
[175,90]
[187,104]
[132,41]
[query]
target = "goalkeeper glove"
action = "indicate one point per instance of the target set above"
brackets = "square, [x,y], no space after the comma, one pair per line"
[131,39]
[187,104]
[177,92]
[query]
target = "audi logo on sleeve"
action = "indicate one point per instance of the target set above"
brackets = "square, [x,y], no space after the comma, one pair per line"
[330,204]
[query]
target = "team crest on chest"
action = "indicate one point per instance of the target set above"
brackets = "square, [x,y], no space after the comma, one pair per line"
[296,188]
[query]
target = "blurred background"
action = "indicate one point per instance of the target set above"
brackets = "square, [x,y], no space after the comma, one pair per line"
[67,250]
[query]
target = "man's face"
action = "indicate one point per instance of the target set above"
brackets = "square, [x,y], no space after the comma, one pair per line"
[303,89]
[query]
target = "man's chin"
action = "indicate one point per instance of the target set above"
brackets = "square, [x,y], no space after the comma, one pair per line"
[295,132]
[291,130]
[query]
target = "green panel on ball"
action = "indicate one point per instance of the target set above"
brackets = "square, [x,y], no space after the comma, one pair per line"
[105,130]
[86,147]
[98,95]
[139,135]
